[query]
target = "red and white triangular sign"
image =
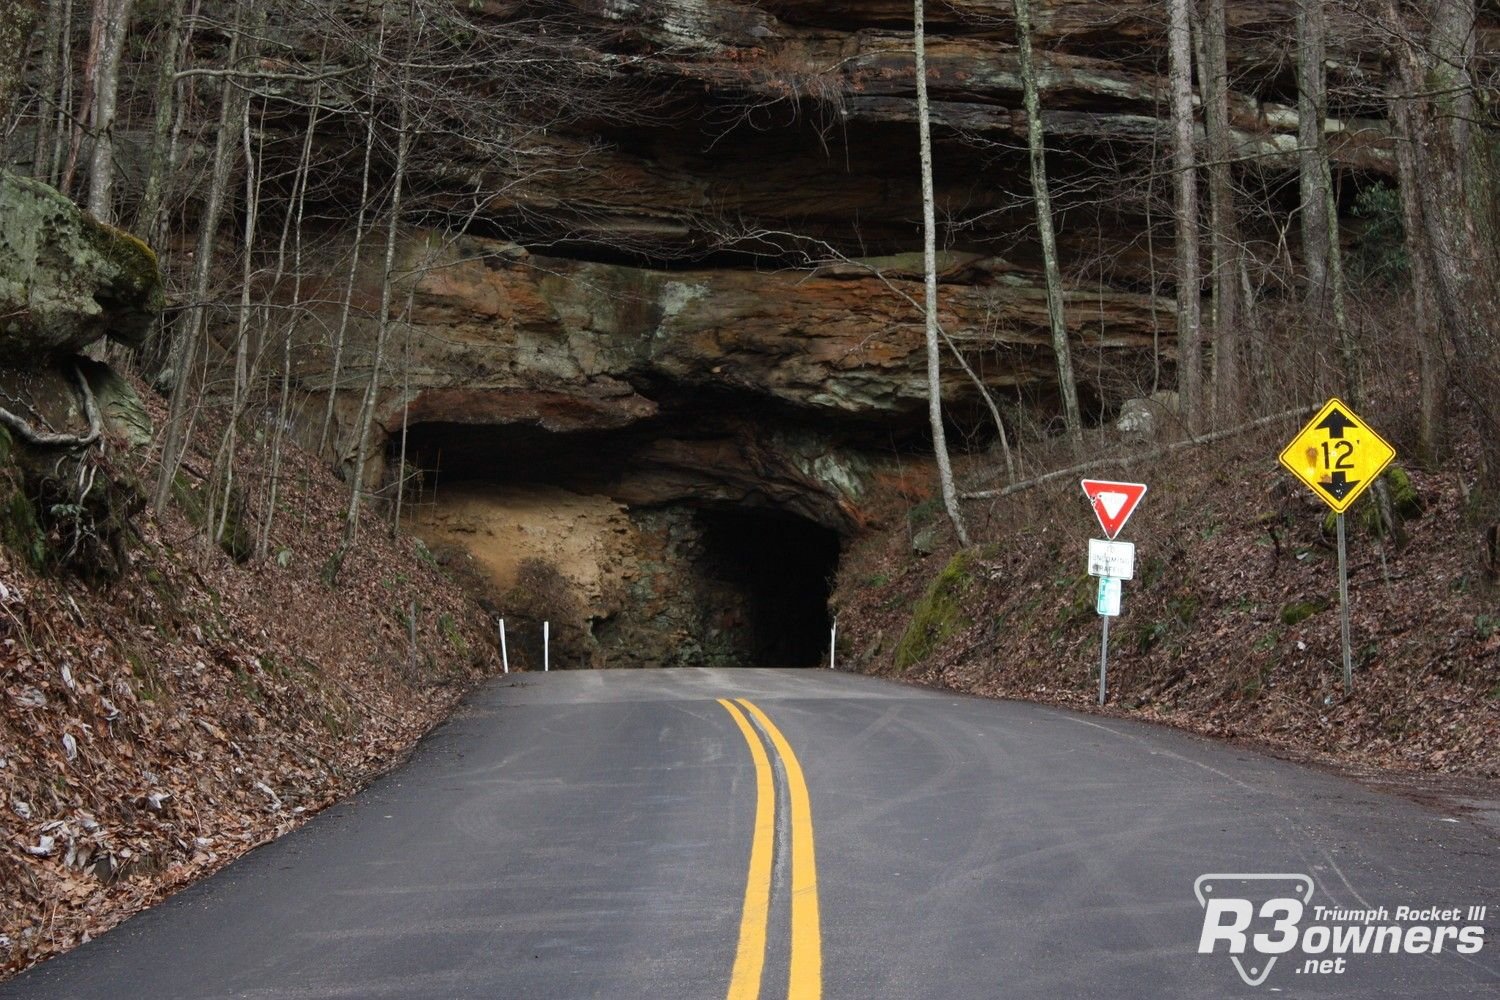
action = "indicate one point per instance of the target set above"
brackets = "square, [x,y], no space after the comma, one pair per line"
[1113,503]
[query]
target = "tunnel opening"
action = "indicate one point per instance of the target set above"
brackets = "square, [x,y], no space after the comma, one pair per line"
[687,541]
[782,568]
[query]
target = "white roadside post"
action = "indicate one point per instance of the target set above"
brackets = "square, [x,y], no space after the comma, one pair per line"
[833,641]
[1109,560]
[546,647]
[504,656]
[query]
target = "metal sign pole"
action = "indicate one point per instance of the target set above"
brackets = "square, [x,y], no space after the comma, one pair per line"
[1103,657]
[1344,606]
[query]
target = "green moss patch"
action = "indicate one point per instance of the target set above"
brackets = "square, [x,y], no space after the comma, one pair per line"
[937,616]
[1300,611]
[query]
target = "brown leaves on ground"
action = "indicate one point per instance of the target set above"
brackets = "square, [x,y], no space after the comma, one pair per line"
[1231,627]
[154,729]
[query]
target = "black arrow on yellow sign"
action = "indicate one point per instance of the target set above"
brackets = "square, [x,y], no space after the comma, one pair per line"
[1335,424]
[1339,485]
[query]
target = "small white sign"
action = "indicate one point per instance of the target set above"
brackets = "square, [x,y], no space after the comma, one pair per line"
[1115,559]
[1109,597]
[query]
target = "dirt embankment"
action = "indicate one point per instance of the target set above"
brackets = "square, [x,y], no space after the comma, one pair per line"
[1231,626]
[584,538]
[155,726]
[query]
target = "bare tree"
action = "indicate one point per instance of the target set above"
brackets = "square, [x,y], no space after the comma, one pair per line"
[116,15]
[1321,244]
[1185,215]
[1312,113]
[342,330]
[192,326]
[1224,228]
[159,161]
[1037,148]
[1447,188]
[365,421]
[929,258]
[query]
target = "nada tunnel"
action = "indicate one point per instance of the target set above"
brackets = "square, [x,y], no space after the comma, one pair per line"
[642,548]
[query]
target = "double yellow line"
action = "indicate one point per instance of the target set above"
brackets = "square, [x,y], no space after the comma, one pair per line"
[805,981]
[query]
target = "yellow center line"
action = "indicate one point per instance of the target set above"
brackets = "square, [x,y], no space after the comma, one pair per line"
[806,978]
[750,959]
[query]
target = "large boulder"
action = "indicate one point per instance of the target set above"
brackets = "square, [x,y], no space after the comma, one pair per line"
[67,279]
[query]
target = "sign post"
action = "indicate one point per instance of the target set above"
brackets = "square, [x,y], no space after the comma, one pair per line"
[1109,560]
[1337,455]
[1108,606]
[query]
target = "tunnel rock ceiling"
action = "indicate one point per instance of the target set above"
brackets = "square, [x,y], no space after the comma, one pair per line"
[730,212]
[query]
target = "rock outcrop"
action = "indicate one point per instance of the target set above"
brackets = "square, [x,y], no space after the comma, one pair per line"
[67,279]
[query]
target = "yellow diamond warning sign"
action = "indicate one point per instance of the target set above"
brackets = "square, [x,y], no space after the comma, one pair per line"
[1337,455]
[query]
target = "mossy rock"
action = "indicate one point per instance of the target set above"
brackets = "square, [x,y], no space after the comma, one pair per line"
[1299,611]
[1406,505]
[67,279]
[122,411]
[937,616]
[1404,497]
[19,530]
[238,541]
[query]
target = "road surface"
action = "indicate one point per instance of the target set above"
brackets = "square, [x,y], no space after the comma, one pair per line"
[804,834]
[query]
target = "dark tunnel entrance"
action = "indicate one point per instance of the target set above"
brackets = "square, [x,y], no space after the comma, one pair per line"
[782,566]
[682,554]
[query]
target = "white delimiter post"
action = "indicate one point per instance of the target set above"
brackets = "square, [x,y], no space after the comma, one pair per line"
[833,640]
[546,646]
[504,656]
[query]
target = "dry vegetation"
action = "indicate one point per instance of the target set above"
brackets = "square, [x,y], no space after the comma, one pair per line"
[1231,626]
[155,728]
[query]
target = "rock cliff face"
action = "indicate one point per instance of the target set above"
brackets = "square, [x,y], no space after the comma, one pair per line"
[797,117]
[709,302]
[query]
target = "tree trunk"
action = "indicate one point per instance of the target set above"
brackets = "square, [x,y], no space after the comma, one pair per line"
[50,84]
[1321,246]
[1432,342]
[1184,165]
[291,227]
[1224,228]
[146,219]
[90,90]
[1312,111]
[64,96]
[1454,160]
[106,88]
[1036,143]
[929,258]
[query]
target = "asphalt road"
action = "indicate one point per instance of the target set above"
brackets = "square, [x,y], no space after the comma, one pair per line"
[630,834]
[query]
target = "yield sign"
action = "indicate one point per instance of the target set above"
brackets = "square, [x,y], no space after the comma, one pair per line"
[1113,503]
[1337,455]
